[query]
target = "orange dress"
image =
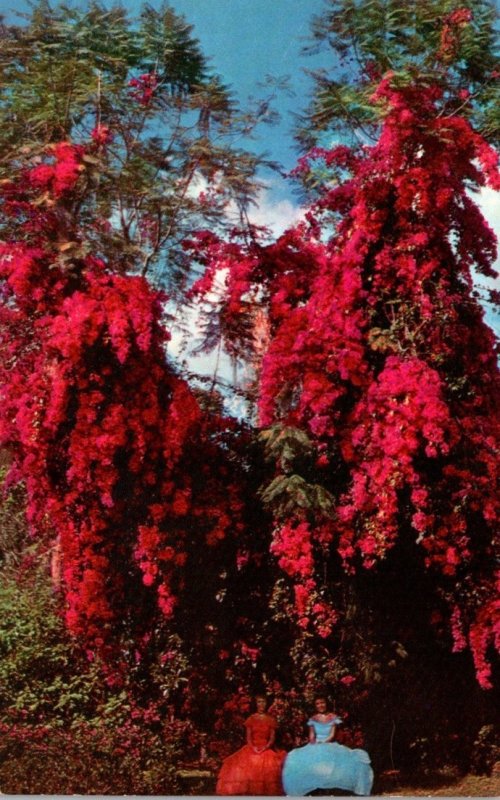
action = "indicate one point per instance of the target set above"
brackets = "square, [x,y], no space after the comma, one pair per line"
[247,772]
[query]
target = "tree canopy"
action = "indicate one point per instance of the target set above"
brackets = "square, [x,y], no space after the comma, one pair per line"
[163,123]
[347,537]
[449,44]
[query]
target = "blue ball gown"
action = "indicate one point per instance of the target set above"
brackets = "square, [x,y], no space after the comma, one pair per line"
[326,765]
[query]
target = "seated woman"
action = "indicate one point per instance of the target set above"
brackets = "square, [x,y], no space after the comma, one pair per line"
[325,764]
[256,767]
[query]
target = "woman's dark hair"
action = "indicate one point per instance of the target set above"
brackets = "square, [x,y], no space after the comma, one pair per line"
[260,696]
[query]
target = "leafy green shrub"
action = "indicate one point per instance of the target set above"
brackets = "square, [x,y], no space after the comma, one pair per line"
[69,723]
[67,726]
[87,759]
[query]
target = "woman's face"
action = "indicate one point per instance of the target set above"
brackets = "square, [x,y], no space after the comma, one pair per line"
[320,705]
[261,704]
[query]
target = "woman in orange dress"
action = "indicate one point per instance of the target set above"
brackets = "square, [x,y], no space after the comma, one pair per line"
[255,769]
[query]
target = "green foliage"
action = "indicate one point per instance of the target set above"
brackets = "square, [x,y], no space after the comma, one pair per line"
[166,163]
[287,492]
[35,677]
[166,45]
[370,37]
[292,449]
[285,443]
[68,727]
[12,524]
[60,66]
[43,673]
[68,723]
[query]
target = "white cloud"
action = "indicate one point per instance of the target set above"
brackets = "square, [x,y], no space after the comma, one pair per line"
[489,202]
[266,211]
[277,216]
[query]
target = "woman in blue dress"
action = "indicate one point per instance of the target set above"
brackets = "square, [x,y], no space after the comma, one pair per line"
[325,764]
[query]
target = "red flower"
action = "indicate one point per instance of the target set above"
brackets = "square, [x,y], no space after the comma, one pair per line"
[101,135]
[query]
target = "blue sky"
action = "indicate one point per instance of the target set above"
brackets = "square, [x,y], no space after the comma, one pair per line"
[249,39]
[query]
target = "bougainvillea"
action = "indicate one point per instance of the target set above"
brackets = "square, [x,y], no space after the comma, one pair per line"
[121,465]
[143,87]
[450,39]
[379,357]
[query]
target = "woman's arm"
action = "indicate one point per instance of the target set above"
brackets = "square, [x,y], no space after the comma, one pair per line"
[250,740]
[268,744]
[249,736]
[312,735]
[331,735]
